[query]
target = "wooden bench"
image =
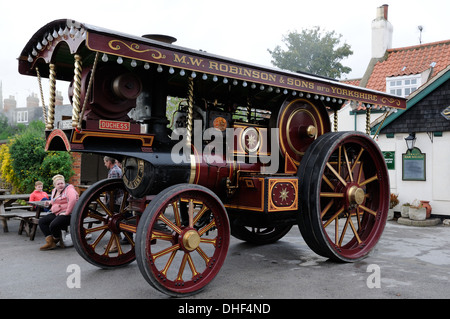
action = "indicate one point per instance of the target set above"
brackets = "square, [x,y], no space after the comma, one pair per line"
[7,208]
[29,219]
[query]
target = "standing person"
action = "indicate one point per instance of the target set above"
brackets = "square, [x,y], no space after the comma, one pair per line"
[64,197]
[114,170]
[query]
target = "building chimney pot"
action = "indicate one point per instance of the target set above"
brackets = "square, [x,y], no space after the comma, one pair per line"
[382,31]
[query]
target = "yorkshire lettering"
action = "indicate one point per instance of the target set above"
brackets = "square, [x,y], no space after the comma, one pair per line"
[354,94]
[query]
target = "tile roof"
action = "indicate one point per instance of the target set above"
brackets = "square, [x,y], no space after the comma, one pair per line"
[354,82]
[406,61]
[410,60]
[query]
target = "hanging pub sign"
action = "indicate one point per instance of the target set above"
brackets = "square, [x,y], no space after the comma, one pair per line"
[389,158]
[413,165]
[446,113]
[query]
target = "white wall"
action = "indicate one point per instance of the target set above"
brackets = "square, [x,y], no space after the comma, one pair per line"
[436,188]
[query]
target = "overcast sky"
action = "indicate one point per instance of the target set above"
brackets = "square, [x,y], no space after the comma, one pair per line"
[239,29]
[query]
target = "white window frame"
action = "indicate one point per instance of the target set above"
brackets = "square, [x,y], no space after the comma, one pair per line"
[403,85]
[22,116]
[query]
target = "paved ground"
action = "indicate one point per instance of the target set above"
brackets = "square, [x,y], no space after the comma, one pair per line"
[409,262]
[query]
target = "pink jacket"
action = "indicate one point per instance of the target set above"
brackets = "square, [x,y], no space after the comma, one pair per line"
[63,204]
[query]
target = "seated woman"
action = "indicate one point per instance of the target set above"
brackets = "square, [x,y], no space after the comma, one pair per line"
[63,199]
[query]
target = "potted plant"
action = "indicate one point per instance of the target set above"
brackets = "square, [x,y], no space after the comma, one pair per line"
[393,201]
[417,211]
[405,210]
[426,204]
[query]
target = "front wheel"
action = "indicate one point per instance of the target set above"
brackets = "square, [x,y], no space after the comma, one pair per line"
[99,221]
[182,239]
[344,194]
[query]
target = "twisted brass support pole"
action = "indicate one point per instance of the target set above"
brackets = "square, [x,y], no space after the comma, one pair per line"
[368,120]
[335,122]
[190,111]
[76,91]
[44,110]
[52,98]
[249,110]
[51,104]
[381,124]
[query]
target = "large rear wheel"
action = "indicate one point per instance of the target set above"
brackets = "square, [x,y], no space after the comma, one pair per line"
[344,194]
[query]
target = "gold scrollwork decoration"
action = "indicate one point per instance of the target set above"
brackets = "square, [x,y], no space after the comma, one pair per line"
[116,45]
[390,100]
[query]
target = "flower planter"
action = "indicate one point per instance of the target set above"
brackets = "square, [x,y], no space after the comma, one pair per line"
[417,213]
[426,204]
[390,215]
[405,211]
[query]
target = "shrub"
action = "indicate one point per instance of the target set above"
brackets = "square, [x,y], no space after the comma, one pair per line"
[24,160]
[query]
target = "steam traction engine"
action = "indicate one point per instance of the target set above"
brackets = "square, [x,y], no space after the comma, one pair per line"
[248,152]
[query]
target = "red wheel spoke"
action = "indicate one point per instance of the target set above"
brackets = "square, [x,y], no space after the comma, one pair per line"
[326,180]
[182,267]
[169,262]
[369,180]
[374,213]
[96,229]
[355,232]
[206,228]
[169,223]
[166,251]
[203,254]
[325,210]
[211,241]
[106,209]
[337,195]
[338,176]
[200,213]
[99,238]
[335,216]
[348,165]
[161,235]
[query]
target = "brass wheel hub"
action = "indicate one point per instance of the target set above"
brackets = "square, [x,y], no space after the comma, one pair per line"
[355,195]
[191,240]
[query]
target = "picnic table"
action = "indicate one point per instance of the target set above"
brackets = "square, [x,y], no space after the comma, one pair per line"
[29,219]
[33,222]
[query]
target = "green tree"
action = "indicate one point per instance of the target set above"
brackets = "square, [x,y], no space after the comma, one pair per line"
[6,130]
[312,51]
[28,162]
